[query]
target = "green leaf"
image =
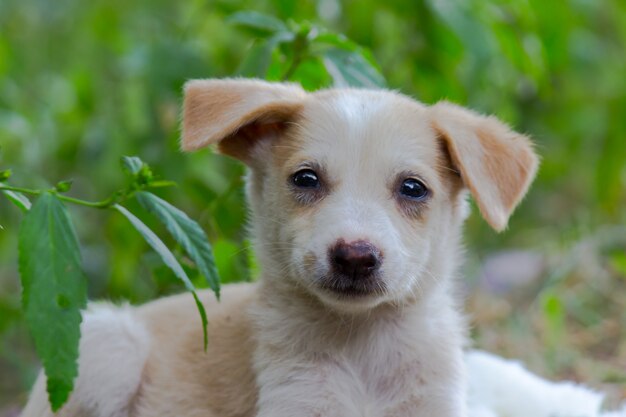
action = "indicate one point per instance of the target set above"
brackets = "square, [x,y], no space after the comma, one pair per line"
[132,164]
[63,186]
[169,259]
[19,199]
[144,176]
[261,24]
[351,69]
[54,291]
[140,171]
[5,174]
[459,17]
[554,317]
[187,233]
[312,74]
[335,39]
[257,60]
[259,57]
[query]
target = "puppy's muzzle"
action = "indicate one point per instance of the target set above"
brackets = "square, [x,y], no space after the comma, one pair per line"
[354,269]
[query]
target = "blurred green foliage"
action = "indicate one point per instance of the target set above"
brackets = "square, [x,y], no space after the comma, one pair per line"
[82,83]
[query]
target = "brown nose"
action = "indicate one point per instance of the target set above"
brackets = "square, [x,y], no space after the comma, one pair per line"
[355,260]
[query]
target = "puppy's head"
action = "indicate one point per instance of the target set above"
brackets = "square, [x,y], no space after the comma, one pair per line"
[358,196]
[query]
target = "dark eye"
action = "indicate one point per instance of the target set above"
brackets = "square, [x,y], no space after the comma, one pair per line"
[414,189]
[306,178]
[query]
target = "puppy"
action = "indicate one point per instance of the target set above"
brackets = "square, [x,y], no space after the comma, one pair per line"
[357,200]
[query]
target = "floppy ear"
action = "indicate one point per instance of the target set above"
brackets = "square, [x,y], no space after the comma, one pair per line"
[495,163]
[236,113]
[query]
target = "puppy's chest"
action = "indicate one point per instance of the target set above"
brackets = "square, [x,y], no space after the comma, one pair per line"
[376,380]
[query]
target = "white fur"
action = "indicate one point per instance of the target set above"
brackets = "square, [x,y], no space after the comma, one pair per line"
[504,388]
[114,347]
[118,345]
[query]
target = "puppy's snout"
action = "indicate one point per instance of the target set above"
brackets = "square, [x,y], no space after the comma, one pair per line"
[356,259]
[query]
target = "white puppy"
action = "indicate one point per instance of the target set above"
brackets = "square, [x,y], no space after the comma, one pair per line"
[357,201]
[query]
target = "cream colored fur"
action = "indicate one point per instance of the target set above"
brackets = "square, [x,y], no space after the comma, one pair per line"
[286,346]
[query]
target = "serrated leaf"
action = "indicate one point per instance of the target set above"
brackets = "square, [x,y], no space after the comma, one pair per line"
[169,259]
[262,24]
[19,199]
[132,164]
[187,233]
[351,69]
[54,292]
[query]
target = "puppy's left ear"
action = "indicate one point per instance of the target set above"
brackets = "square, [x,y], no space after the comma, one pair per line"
[495,163]
[237,113]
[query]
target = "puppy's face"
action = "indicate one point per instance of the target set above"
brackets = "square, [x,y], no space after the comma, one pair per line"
[359,189]
[358,196]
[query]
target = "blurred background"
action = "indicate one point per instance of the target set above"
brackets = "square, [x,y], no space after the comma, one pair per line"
[84,82]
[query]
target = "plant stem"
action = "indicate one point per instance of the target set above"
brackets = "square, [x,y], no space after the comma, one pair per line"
[292,68]
[20,190]
[300,46]
[96,204]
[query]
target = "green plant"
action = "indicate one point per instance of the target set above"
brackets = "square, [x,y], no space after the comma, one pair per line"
[304,52]
[53,284]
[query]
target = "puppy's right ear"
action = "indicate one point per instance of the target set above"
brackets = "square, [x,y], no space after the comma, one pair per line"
[237,113]
[495,163]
